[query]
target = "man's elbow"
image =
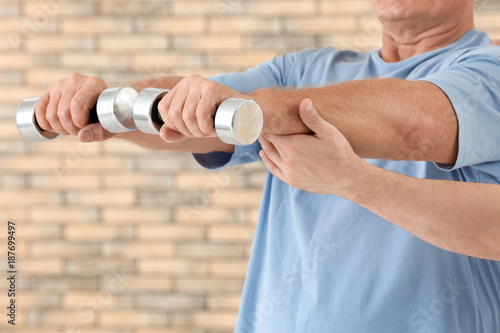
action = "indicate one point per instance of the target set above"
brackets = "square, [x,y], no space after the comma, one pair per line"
[433,139]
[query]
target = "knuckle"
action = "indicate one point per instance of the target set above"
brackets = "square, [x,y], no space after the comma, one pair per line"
[94,80]
[75,77]
[76,104]
[188,117]
[51,117]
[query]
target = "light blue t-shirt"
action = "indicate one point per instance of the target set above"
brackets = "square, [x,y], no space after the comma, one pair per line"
[323,264]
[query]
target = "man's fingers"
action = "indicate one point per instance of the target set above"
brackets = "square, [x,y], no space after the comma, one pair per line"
[270,165]
[81,103]
[65,114]
[52,113]
[271,151]
[41,111]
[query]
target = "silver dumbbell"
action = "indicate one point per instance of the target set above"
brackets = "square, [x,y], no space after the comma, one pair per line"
[237,121]
[113,110]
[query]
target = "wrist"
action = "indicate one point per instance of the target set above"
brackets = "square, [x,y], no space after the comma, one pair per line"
[281,110]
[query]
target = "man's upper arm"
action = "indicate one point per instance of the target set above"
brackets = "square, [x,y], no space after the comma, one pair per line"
[472,84]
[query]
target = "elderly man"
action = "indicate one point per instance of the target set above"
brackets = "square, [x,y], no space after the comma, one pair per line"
[345,244]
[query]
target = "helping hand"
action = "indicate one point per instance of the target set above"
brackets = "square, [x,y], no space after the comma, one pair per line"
[322,163]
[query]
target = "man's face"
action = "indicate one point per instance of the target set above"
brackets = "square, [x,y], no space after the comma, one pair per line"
[405,10]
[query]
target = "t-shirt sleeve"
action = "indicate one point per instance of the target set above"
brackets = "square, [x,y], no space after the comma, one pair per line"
[472,84]
[273,73]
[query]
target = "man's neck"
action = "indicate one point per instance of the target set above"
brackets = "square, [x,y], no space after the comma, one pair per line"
[403,43]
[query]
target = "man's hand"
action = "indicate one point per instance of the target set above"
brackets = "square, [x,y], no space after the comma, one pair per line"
[188,109]
[64,108]
[322,163]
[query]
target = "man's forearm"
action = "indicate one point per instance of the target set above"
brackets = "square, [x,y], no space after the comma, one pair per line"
[390,119]
[455,216]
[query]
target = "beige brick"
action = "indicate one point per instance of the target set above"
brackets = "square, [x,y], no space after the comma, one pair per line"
[281,8]
[229,268]
[96,300]
[47,75]
[320,25]
[55,9]
[30,299]
[150,283]
[95,233]
[216,320]
[58,317]
[159,330]
[170,232]
[125,179]
[171,302]
[195,7]
[141,42]
[95,25]
[171,266]
[208,250]
[139,8]
[94,60]
[58,249]
[20,61]
[171,25]
[79,181]
[208,43]
[345,7]
[137,250]
[8,130]
[242,60]
[230,234]
[44,215]
[13,181]
[224,301]
[9,9]
[189,215]
[135,215]
[244,24]
[154,61]
[41,267]
[188,284]
[14,94]
[210,182]
[19,198]
[25,163]
[238,198]
[104,198]
[50,44]
[38,232]
[133,318]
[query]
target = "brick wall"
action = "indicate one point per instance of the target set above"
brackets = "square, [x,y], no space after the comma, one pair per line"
[115,239]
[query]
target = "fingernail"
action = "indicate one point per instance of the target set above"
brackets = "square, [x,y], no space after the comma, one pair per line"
[309,107]
[87,136]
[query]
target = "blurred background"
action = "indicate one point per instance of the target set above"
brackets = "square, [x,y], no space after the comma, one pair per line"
[112,238]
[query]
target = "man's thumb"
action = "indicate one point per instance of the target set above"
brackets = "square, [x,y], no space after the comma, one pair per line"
[310,116]
[94,133]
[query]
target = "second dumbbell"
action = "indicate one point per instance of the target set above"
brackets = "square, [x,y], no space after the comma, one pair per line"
[237,121]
